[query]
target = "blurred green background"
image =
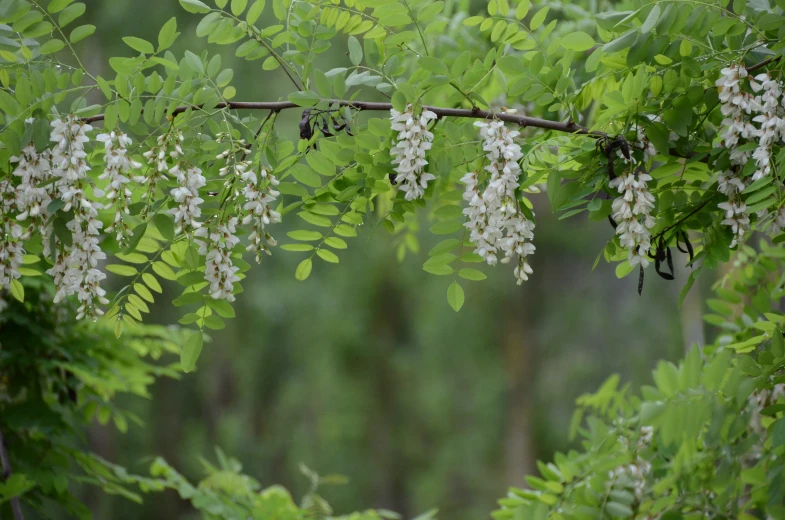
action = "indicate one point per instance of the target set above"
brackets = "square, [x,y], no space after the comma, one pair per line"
[364,370]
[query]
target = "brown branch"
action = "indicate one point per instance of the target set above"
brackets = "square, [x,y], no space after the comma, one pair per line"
[16,506]
[521,120]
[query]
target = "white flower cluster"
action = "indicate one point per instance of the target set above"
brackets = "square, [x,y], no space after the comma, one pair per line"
[186,194]
[738,107]
[157,158]
[634,474]
[33,170]
[495,222]
[413,141]
[632,213]
[11,247]
[217,247]
[731,185]
[649,151]
[77,271]
[118,165]
[259,195]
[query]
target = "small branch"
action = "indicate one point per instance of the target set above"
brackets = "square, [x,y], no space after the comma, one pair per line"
[568,127]
[762,64]
[16,506]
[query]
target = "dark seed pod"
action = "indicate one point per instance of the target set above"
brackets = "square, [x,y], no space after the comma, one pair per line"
[306,132]
[640,282]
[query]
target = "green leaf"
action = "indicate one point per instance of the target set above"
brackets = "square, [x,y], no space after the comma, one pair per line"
[304,235]
[55,6]
[122,270]
[298,248]
[651,20]
[221,307]
[304,98]
[139,44]
[81,32]
[191,350]
[71,13]
[577,41]
[195,6]
[355,50]
[164,225]
[303,270]
[327,255]
[455,296]
[167,35]
[472,274]
[335,242]
[538,18]
[238,6]
[17,290]
[255,12]
[51,46]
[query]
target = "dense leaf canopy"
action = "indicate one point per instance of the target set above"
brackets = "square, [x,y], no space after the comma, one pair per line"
[662,121]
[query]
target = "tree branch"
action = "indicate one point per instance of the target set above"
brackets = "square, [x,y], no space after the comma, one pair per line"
[524,121]
[5,463]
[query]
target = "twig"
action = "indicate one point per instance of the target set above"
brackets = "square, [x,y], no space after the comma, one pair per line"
[16,506]
[534,122]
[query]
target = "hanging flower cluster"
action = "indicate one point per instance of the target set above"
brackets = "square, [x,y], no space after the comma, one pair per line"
[632,213]
[408,153]
[170,142]
[217,247]
[186,194]
[33,196]
[259,194]
[11,236]
[76,266]
[495,220]
[741,110]
[118,165]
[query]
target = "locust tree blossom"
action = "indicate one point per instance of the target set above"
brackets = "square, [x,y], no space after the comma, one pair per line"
[217,245]
[186,194]
[76,266]
[495,221]
[772,126]
[33,195]
[632,213]
[408,153]
[118,165]
[259,195]
[167,145]
[11,234]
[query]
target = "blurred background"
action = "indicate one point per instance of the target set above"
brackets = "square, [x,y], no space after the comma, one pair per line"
[364,370]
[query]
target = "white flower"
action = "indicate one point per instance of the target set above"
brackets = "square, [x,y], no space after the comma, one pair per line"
[408,154]
[118,164]
[170,142]
[259,195]
[217,247]
[632,213]
[494,220]
[76,267]
[33,194]
[187,213]
[11,245]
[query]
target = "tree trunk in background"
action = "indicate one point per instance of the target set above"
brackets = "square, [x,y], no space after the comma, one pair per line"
[519,449]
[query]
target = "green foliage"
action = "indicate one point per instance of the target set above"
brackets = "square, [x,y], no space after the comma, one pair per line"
[639,79]
[706,439]
[58,377]
[226,493]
